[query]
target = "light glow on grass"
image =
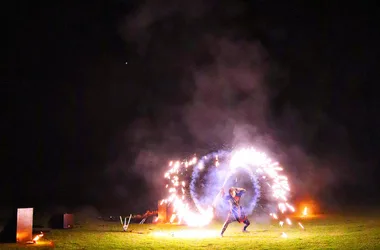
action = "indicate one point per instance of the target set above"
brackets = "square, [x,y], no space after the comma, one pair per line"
[347,230]
[189,233]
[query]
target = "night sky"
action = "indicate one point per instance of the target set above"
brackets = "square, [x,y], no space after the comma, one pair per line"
[98,97]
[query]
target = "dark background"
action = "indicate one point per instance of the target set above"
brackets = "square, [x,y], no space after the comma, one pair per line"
[81,127]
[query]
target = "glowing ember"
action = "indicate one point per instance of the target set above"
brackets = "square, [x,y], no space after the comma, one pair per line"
[172,218]
[290,207]
[274,216]
[284,235]
[299,223]
[288,221]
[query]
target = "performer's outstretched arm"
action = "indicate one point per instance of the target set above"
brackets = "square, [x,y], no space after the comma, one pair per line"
[240,191]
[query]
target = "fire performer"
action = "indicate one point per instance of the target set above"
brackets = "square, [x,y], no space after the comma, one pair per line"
[236,212]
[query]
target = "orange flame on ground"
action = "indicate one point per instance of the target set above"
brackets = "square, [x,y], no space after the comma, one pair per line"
[304,211]
[39,236]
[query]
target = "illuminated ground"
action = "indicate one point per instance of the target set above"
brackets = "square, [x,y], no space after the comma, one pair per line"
[361,231]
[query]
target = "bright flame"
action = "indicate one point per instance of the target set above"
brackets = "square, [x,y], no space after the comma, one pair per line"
[304,213]
[266,167]
[176,197]
[39,236]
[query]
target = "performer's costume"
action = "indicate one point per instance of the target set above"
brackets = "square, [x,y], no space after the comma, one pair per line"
[236,212]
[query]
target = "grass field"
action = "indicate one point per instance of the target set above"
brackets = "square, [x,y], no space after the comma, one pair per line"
[360,231]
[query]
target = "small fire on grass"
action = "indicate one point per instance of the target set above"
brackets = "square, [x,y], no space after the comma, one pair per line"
[36,238]
[39,236]
[304,213]
[308,209]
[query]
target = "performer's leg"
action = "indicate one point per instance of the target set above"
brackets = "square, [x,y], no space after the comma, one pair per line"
[226,223]
[247,223]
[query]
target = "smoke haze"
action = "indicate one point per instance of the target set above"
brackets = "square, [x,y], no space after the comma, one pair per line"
[213,88]
[98,98]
